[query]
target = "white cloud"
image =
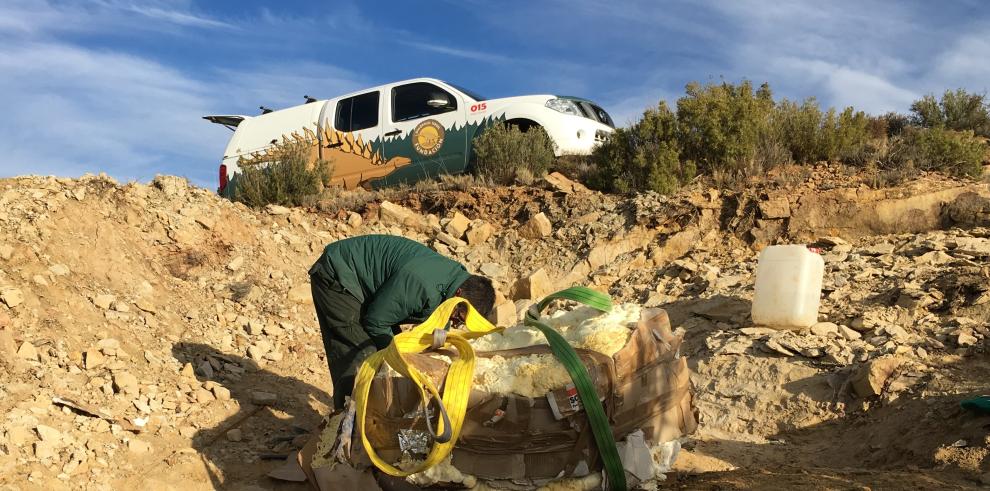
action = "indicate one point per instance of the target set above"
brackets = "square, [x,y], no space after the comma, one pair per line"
[177,17]
[964,64]
[27,18]
[458,52]
[283,84]
[40,17]
[847,86]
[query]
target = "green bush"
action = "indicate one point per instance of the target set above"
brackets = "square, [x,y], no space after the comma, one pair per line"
[957,110]
[897,123]
[846,135]
[643,157]
[798,128]
[960,153]
[720,126]
[505,154]
[285,177]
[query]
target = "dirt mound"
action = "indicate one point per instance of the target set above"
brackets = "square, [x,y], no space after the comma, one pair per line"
[156,336]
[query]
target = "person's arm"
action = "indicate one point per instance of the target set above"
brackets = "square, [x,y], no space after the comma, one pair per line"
[396,300]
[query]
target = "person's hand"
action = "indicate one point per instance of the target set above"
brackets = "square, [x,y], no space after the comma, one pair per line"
[342,450]
[381,341]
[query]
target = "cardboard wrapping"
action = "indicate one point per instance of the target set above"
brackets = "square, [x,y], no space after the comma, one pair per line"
[646,385]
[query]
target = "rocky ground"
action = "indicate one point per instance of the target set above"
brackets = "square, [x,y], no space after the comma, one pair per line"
[158,337]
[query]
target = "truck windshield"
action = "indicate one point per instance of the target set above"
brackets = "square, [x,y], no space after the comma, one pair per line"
[473,95]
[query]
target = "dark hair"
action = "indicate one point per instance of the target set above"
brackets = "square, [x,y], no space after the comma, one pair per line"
[479,291]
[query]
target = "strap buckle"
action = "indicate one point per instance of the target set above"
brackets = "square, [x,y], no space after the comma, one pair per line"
[439,339]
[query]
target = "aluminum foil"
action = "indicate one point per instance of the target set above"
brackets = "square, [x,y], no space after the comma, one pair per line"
[414,442]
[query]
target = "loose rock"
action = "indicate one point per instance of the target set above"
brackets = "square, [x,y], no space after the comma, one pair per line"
[104,301]
[125,382]
[869,381]
[537,227]
[479,233]
[825,329]
[221,393]
[94,358]
[534,286]
[457,225]
[49,434]
[775,207]
[235,435]
[12,297]
[27,351]
[260,398]
[354,220]
[188,371]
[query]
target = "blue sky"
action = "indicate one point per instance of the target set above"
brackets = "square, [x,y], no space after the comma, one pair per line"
[119,86]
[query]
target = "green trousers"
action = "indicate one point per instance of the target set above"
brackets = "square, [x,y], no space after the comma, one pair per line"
[345,340]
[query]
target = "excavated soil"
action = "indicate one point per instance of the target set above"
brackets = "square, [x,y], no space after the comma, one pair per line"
[158,337]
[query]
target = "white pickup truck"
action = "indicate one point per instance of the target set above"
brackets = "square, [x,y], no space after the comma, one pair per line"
[405,131]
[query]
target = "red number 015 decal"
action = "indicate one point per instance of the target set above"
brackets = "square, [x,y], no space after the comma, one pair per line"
[479,107]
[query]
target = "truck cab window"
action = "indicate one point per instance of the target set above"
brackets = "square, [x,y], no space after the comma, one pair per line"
[357,113]
[420,99]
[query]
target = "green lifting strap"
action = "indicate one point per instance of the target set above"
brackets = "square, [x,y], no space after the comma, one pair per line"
[614,473]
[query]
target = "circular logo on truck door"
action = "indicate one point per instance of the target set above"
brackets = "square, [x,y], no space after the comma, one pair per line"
[427,137]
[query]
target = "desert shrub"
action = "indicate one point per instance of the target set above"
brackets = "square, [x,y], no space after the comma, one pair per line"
[736,134]
[285,177]
[720,125]
[960,153]
[847,137]
[577,167]
[797,127]
[504,153]
[956,110]
[840,134]
[813,136]
[643,157]
[881,174]
[896,123]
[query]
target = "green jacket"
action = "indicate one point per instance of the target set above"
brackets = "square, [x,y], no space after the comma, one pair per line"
[397,280]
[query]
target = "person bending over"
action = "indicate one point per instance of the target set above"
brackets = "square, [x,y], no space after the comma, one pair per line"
[365,286]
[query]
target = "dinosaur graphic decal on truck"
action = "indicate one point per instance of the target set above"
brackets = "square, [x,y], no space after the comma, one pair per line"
[403,132]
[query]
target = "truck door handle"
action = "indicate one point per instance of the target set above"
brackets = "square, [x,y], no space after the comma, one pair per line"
[393,133]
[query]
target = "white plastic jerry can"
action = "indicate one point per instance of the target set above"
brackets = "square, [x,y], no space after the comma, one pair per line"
[788,287]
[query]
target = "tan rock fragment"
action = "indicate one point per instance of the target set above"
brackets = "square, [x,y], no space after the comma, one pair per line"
[870,379]
[457,225]
[537,227]
[534,286]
